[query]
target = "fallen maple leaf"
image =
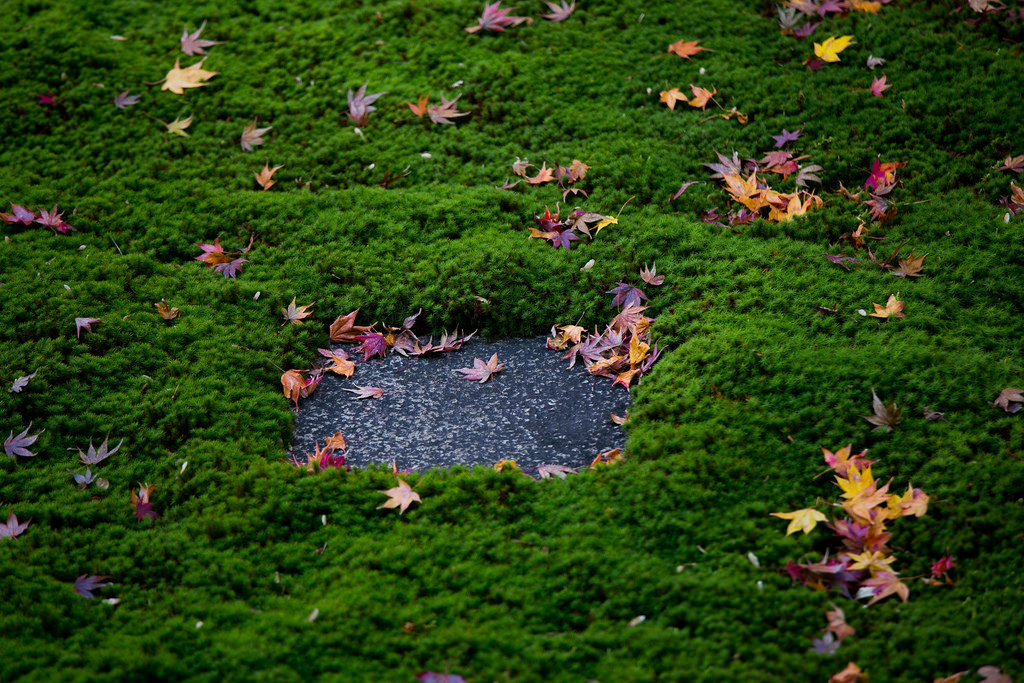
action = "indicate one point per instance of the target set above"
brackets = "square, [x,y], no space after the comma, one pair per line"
[19,214]
[801,520]
[295,314]
[559,13]
[496,19]
[365,392]
[837,623]
[20,383]
[992,674]
[341,363]
[883,584]
[18,445]
[12,529]
[892,308]
[165,310]
[670,97]
[607,457]
[373,344]
[786,136]
[231,268]
[178,126]
[701,97]
[95,456]
[481,372]
[683,189]
[251,135]
[84,323]
[192,44]
[851,674]
[879,86]
[125,99]
[344,329]
[445,111]
[651,276]
[434,677]
[53,220]
[546,471]
[85,584]
[1010,400]
[626,295]
[360,104]
[886,415]
[829,50]
[910,266]
[1011,163]
[401,496]
[263,178]
[841,260]
[293,383]
[544,175]
[193,76]
[686,49]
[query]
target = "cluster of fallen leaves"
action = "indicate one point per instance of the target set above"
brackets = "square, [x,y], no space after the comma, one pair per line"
[862,566]
[567,177]
[369,342]
[227,263]
[496,18]
[755,195]
[52,219]
[623,352]
[561,233]
[1015,202]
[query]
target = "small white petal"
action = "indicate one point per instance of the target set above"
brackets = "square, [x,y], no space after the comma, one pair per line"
[753,560]
[199,624]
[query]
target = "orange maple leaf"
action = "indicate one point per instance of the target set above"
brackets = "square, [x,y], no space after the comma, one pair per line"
[263,178]
[892,308]
[344,329]
[670,97]
[420,108]
[701,96]
[293,383]
[686,49]
[294,314]
[544,175]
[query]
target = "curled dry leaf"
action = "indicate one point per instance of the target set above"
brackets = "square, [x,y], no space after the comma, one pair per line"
[165,310]
[295,314]
[20,383]
[263,178]
[293,383]
[84,324]
[344,329]
[607,457]
[365,392]
[886,415]
[1010,400]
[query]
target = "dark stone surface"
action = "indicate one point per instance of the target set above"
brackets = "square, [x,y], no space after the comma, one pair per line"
[536,411]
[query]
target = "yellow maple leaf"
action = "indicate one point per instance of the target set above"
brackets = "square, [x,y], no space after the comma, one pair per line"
[178,126]
[801,520]
[638,350]
[670,97]
[855,482]
[892,308]
[605,222]
[830,49]
[190,77]
[401,497]
[868,6]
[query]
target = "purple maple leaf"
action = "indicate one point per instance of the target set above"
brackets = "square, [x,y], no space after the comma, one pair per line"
[564,239]
[53,220]
[806,30]
[835,6]
[144,510]
[19,214]
[231,268]
[626,295]
[495,19]
[192,44]
[826,645]
[434,677]
[841,260]
[47,100]
[18,445]
[12,529]
[85,584]
[682,189]
[86,324]
[125,100]
[373,344]
[360,105]
[786,136]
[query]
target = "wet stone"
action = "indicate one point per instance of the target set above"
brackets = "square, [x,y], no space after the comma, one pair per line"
[536,411]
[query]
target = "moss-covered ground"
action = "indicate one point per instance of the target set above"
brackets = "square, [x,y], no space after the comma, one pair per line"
[499,577]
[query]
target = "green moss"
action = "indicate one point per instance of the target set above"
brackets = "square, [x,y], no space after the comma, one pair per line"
[501,578]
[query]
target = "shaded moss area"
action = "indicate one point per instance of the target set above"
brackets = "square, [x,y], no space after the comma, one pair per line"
[497,576]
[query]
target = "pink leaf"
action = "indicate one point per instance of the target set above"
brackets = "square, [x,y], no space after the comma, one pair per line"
[18,445]
[85,323]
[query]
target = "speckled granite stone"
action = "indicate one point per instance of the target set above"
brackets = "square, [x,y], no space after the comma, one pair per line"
[536,411]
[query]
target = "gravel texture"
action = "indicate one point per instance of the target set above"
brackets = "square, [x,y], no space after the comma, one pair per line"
[536,411]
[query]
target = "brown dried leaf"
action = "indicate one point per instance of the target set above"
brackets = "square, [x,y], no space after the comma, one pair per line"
[886,415]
